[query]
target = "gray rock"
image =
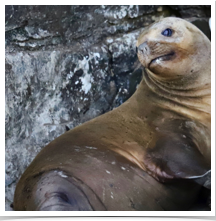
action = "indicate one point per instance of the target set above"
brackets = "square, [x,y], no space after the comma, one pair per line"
[187,11]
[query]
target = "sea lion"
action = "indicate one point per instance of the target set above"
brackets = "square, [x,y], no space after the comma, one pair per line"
[145,154]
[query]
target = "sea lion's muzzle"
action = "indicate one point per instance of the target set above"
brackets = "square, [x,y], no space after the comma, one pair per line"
[153,54]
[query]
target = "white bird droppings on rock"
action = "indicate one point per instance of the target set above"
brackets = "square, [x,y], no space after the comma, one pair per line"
[109,40]
[52,128]
[97,55]
[107,171]
[86,83]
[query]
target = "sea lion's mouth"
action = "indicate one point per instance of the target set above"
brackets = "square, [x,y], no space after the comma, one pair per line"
[165,57]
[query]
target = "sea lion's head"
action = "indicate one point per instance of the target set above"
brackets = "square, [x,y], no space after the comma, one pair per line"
[172,48]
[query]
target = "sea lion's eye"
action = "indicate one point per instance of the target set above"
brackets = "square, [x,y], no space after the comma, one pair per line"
[136,50]
[167,32]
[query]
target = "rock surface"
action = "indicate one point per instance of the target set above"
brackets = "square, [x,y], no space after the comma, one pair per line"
[66,65]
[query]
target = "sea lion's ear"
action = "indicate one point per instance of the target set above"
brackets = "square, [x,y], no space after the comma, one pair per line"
[175,158]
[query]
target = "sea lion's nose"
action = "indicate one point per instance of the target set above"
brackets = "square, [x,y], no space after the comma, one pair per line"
[143,48]
[144,53]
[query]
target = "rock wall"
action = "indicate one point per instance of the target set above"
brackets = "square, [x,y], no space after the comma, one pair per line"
[68,64]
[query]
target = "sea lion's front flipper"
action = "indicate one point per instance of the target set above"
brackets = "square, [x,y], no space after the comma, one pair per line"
[175,157]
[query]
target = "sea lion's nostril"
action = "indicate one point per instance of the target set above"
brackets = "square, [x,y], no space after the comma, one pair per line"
[143,48]
[140,49]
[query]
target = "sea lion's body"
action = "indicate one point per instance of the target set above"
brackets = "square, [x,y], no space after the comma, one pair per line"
[142,155]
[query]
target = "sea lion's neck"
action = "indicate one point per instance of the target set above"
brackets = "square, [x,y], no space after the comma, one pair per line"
[191,102]
[187,86]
